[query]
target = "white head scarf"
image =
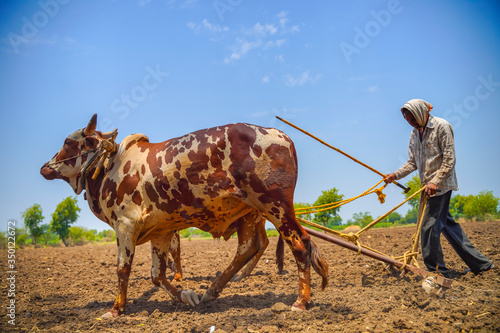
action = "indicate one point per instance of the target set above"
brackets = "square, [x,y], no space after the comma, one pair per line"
[419,109]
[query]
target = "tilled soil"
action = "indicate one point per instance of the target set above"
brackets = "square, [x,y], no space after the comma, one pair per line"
[68,289]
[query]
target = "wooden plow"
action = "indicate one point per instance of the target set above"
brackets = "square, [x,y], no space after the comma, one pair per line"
[407,262]
[439,279]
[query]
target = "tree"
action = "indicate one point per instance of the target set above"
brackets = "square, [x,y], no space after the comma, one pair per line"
[334,221]
[47,234]
[21,237]
[482,205]
[457,204]
[327,197]
[414,185]
[76,235]
[362,219]
[411,216]
[90,235]
[110,236]
[3,241]
[393,217]
[66,214]
[32,218]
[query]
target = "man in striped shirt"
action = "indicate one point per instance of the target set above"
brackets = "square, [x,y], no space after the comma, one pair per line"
[432,153]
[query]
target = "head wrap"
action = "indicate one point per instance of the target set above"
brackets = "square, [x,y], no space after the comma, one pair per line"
[419,109]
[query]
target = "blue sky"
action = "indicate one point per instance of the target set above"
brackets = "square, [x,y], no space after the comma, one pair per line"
[339,69]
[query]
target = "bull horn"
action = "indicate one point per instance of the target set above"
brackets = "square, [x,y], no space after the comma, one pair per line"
[90,129]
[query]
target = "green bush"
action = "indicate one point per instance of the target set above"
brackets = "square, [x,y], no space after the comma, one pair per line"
[383,225]
[272,233]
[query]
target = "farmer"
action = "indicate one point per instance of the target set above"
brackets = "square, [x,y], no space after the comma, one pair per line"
[432,153]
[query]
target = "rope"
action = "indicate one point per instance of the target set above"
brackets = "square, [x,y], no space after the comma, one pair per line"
[70,158]
[107,147]
[354,237]
[332,205]
[409,256]
[390,211]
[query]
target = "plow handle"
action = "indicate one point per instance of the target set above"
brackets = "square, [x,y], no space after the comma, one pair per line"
[406,189]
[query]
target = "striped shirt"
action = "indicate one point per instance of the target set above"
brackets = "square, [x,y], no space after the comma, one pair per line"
[433,156]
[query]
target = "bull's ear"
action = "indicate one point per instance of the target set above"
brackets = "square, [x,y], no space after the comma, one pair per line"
[91,142]
[91,126]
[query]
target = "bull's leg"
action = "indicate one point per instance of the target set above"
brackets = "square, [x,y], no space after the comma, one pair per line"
[261,242]
[159,254]
[304,251]
[248,243]
[296,241]
[175,252]
[126,250]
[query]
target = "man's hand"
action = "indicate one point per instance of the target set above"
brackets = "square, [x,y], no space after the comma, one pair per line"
[430,190]
[390,178]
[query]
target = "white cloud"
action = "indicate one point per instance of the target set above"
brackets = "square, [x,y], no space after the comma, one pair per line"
[302,79]
[265,79]
[283,19]
[279,58]
[211,28]
[193,26]
[143,2]
[242,49]
[372,89]
[274,43]
[263,29]
[261,36]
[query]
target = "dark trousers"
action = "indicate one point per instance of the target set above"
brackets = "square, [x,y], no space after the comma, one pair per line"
[437,219]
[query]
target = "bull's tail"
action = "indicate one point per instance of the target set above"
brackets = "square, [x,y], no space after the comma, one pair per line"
[280,255]
[319,265]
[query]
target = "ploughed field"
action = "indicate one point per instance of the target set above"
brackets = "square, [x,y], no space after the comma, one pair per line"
[68,289]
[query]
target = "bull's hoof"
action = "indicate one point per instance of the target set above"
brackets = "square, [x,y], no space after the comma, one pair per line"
[109,315]
[189,297]
[297,306]
[207,297]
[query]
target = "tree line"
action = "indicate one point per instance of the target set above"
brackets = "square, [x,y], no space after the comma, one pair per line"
[58,230]
[481,207]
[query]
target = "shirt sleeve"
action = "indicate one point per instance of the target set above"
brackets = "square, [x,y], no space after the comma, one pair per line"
[447,145]
[410,165]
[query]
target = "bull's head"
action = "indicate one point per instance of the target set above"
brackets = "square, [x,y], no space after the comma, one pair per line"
[75,156]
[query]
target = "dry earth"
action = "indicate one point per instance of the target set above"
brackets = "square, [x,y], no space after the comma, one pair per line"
[67,289]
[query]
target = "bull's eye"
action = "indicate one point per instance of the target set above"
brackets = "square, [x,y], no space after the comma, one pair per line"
[68,143]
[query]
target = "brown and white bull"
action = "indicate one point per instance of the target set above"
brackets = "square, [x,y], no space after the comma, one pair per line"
[221,180]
